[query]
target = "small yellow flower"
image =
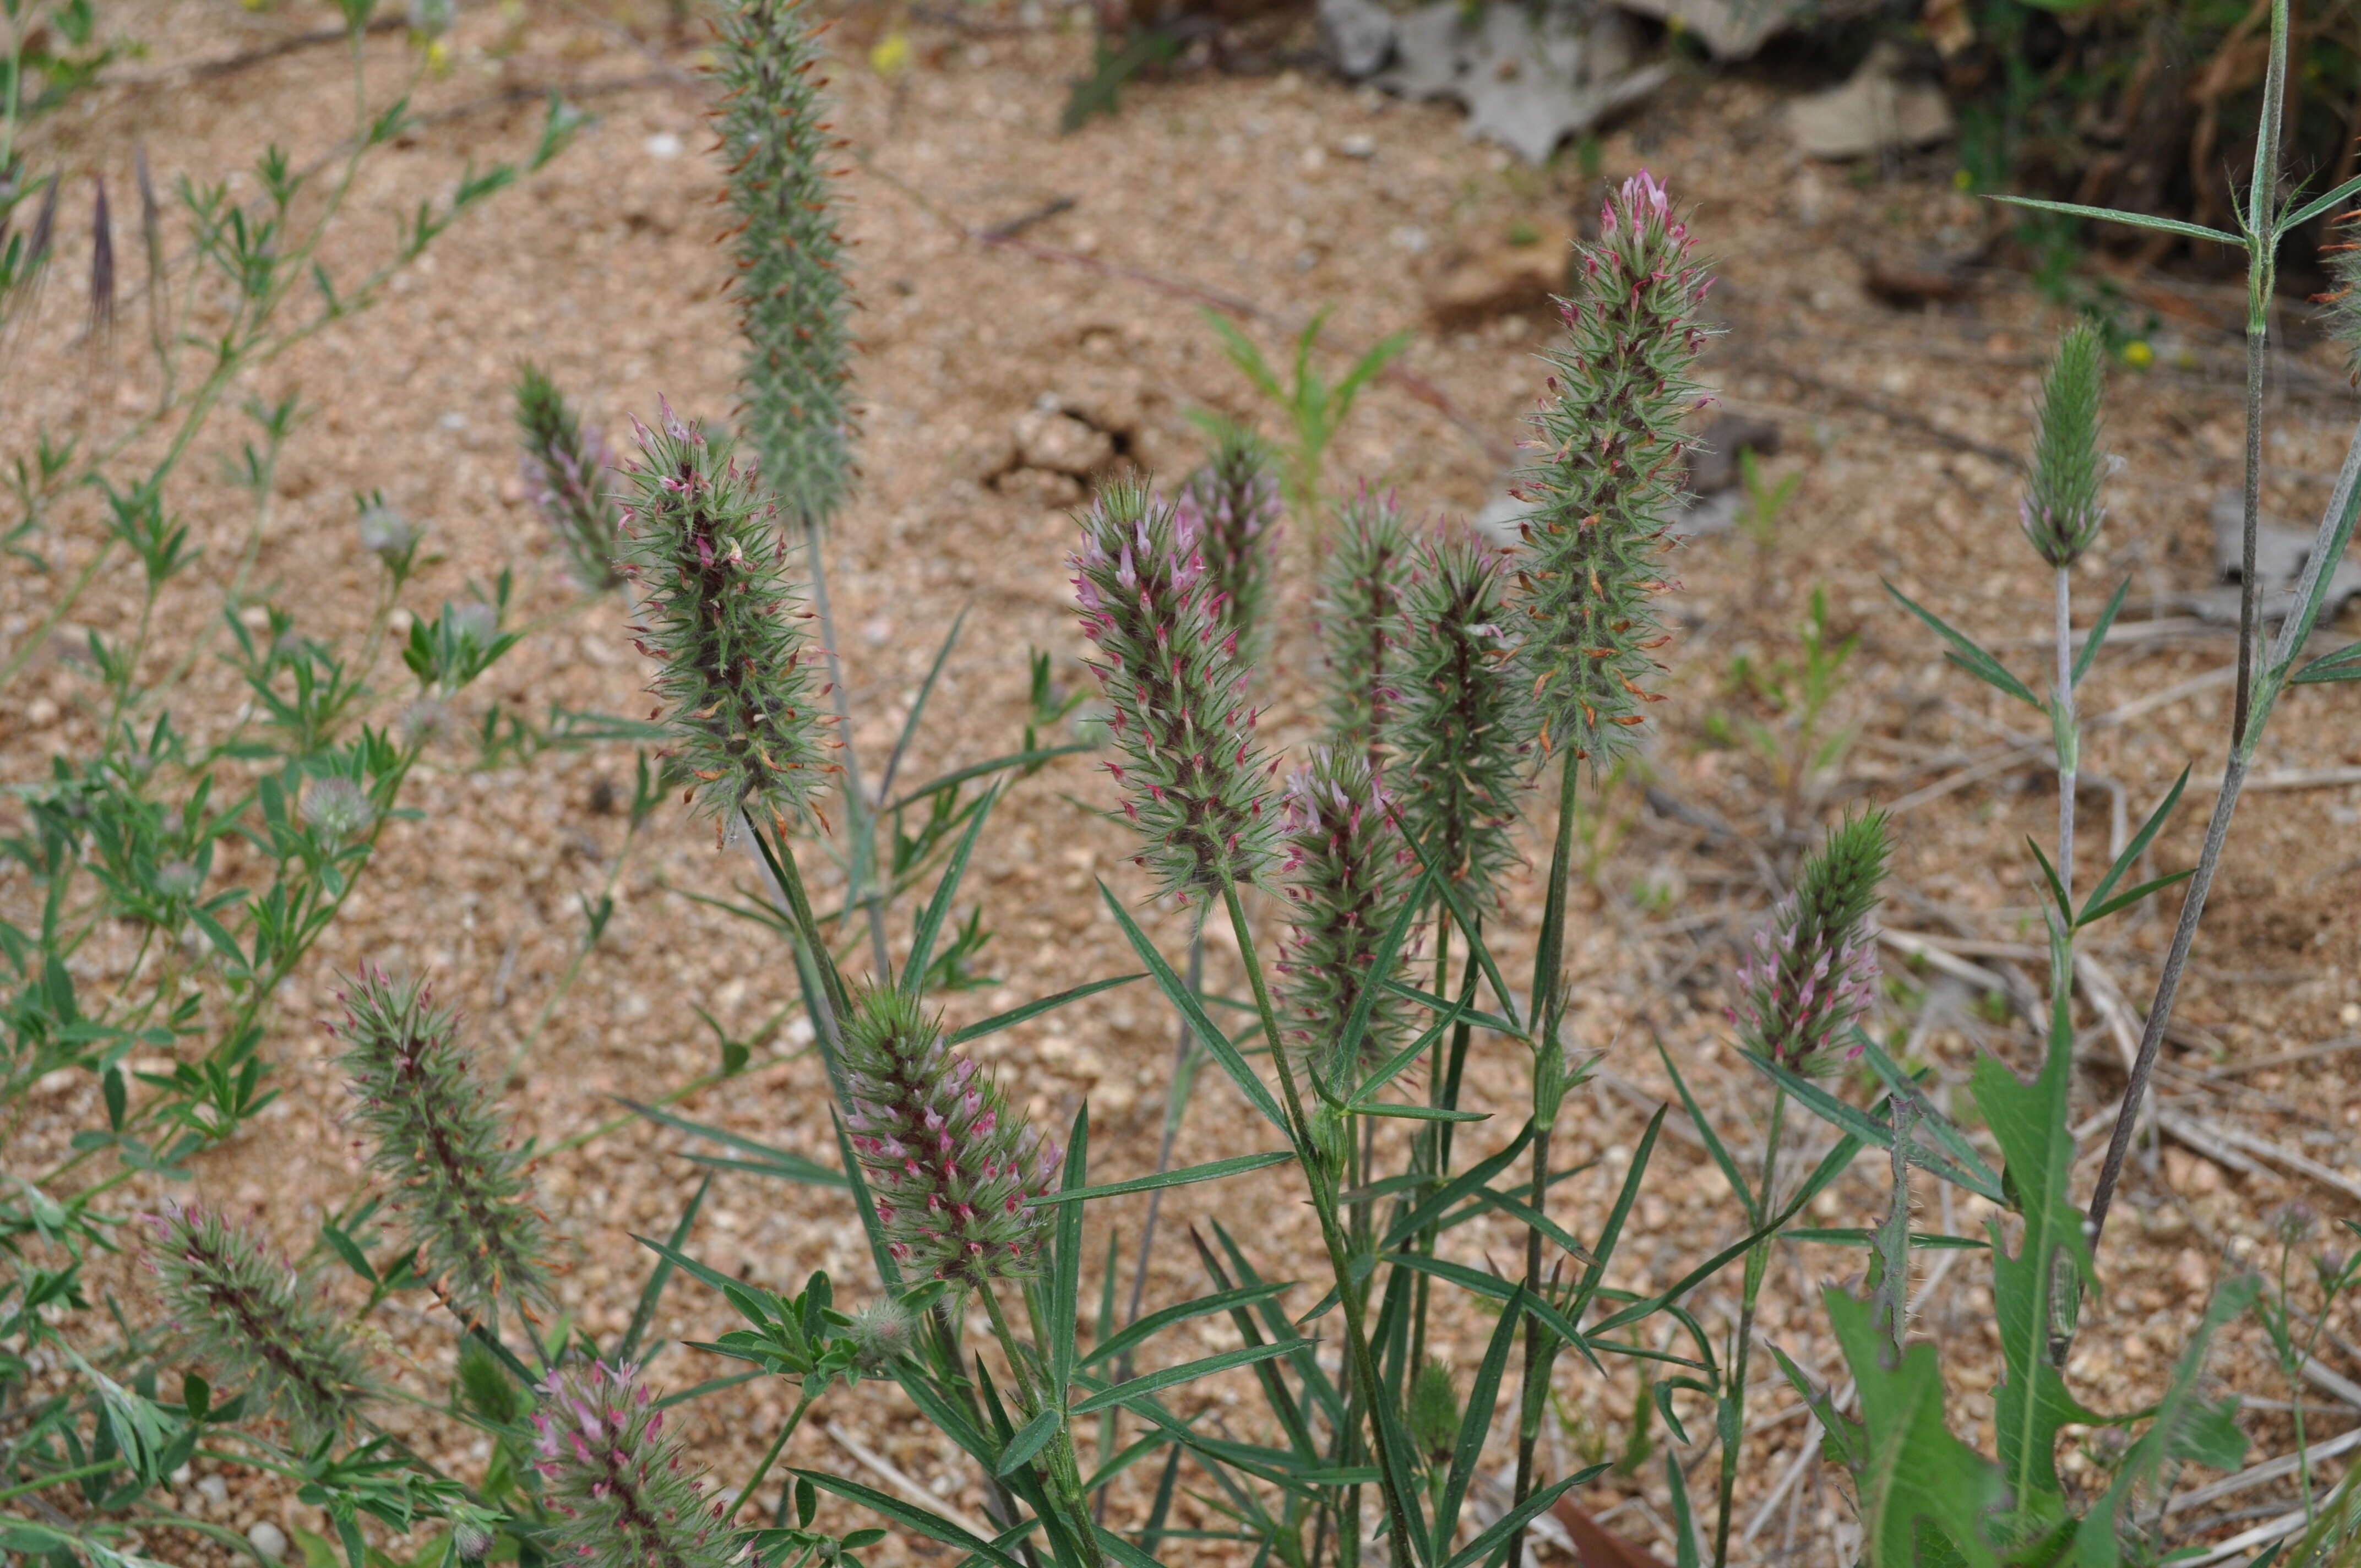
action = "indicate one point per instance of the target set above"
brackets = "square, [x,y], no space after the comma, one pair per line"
[1961,180]
[438,57]
[891,57]
[2138,354]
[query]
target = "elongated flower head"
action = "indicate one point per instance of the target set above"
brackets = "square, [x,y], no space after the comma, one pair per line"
[249,1315]
[719,615]
[1233,503]
[435,1133]
[624,1492]
[565,465]
[953,1168]
[2061,511]
[1434,1414]
[1195,781]
[1603,490]
[1364,593]
[793,300]
[1462,730]
[1814,966]
[1347,874]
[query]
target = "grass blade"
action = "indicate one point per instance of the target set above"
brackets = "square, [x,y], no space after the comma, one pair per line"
[939,908]
[2098,632]
[1215,1039]
[1213,1170]
[933,1526]
[1124,1394]
[2132,850]
[1016,1016]
[654,1292]
[1165,1317]
[1967,654]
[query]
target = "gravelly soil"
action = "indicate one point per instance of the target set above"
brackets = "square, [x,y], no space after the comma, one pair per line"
[602,268]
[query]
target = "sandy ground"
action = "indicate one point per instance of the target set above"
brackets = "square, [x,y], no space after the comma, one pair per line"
[1290,193]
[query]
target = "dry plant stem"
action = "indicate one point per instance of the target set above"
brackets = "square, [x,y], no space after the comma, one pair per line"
[1758,1263]
[1542,1019]
[1349,1294]
[2328,547]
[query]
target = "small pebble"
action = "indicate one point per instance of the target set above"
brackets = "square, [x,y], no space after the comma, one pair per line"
[663,144]
[1358,145]
[267,1539]
[215,1490]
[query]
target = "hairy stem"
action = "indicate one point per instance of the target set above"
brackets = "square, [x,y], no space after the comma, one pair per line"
[1758,1261]
[2068,736]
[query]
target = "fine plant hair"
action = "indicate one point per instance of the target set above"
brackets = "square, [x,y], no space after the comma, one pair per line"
[565,466]
[460,1184]
[952,1166]
[1232,502]
[1193,777]
[1346,876]
[717,613]
[245,1312]
[1364,622]
[1462,733]
[794,304]
[624,1490]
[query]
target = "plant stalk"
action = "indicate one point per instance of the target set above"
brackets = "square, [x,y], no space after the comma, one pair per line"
[1733,1404]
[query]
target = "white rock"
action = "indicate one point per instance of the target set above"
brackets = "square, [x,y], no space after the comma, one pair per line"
[267,1539]
[1873,111]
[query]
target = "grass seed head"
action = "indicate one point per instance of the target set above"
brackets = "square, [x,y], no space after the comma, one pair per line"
[735,676]
[624,1492]
[1814,966]
[1363,588]
[2061,511]
[1347,872]
[1606,486]
[1233,504]
[566,465]
[953,1168]
[1194,781]
[437,1138]
[249,1314]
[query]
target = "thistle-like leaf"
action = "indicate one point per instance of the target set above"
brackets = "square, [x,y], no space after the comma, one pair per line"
[459,1183]
[249,1314]
[793,300]
[1195,782]
[1603,491]
[1347,872]
[624,1493]
[565,465]
[1233,503]
[1461,734]
[951,1167]
[1364,624]
[719,615]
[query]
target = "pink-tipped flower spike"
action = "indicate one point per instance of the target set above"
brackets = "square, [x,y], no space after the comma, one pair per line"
[1347,874]
[953,1168]
[741,694]
[1814,969]
[1463,736]
[1603,490]
[624,1492]
[1233,504]
[1364,589]
[1195,782]
[565,468]
[458,1181]
[254,1319]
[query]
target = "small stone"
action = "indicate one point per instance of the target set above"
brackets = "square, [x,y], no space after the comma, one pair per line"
[664,145]
[267,1539]
[1358,145]
[41,713]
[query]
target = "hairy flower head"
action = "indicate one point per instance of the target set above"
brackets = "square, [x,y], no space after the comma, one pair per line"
[793,300]
[249,1314]
[2060,511]
[1461,728]
[1347,874]
[1603,488]
[623,1491]
[1364,587]
[719,615]
[1233,504]
[339,808]
[566,465]
[1814,966]
[459,1184]
[1194,781]
[953,1168]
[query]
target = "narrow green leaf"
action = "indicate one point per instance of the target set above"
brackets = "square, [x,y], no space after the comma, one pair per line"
[1215,1041]
[1031,1440]
[939,908]
[1455,899]
[1967,654]
[2049,875]
[1016,1016]
[1474,1015]
[1713,1145]
[1430,1209]
[1414,1112]
[2290,222]
[1612,1232]
[1478,1549]
[2098,632]
[2132,220]
[2125,900]
[933,1526]
[1165,1317]
[1475,1422]
[2134,850]
[982,769]
[1213,1170]
[1356,1022]
[1925,1116]
[1066,1266]
[653,1292]
[1124,1394]
[786,1166]
[2345,664]
[1855,1236]
[1867,1129]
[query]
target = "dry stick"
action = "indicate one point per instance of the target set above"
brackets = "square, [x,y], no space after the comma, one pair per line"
[1005,236]
[2328,548]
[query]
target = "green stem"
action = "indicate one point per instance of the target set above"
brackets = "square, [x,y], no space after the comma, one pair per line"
[862,823]
[1733,1404]
[1351,1296]
[771,1458]
[2262,258]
